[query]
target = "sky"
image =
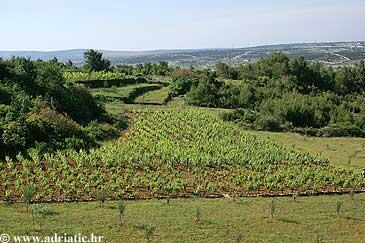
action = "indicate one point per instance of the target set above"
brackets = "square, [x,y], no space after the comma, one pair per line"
[46,25]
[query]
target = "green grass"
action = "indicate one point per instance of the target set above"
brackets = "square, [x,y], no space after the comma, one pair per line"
[340,151]
[155,97]
[116,92]
[221,220]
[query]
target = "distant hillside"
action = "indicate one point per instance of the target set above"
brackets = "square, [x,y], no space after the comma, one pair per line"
[338,53]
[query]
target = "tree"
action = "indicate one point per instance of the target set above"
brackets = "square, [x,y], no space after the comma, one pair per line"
[69,63]
[163,68]
[4,70]
[274,66]
[39,110]
[206,93]
[182,80]
[225,71]
[95,62]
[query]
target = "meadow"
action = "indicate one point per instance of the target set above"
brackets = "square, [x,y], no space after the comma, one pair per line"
[126,93]
[158,97]
[284,219]
[344,152]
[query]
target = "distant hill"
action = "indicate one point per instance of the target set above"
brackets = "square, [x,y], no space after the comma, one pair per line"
[334,53]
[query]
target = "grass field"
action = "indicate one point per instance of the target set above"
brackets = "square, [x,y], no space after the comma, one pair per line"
[342,152]
[118,92]
[308,219]
[154,97]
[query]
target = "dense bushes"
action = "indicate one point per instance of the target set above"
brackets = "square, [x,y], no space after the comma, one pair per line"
[325,115]
[205,92]
[38,109]
[182,80]
[277,93]
[161,68]
[299,74]
[47,125]
[81,106]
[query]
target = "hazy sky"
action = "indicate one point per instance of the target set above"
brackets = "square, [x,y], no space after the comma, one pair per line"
[175,24]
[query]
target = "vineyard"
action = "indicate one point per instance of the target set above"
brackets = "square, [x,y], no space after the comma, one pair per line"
[90,76]
[176,153]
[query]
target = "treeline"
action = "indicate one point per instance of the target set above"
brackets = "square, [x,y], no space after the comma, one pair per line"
[161,69]
[96,65]
[39,111]
[277,93]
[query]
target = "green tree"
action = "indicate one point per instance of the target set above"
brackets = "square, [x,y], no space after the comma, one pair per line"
[225,71]
[95,62]
[206,93]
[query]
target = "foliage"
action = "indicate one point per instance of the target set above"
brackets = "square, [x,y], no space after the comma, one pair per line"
[121,209]
[93,75]
[338,208]
[149,229]
[272,209]
[102,196]
[182,80]
[205,92]
[293,94]
[161,154]
[95,62]
[28,193]
[39,109]
[160,68]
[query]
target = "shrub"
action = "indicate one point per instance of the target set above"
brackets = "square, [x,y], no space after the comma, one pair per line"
[240,115]
[81,106]
[341,130]
[149,230]
[121,208]
[182,81]
[197,215]
[28,193]
[102,196]
[338,208]
[14,136]
[96,131]
[51,127]
[272,209]
[268,123]
[205,93]
[75,143]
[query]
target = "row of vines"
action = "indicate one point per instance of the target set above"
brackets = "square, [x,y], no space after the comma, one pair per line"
[90,76]
[175,153]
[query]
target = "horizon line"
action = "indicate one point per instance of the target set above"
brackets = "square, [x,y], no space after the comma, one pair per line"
[189,49]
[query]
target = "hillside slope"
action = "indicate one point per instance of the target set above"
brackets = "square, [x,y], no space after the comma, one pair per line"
[338,53]
[177,153]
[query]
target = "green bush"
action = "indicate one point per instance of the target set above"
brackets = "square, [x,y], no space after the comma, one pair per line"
[267,123]
[205,93]
[81,106]
[51,127]
[97,132]
[40,110]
